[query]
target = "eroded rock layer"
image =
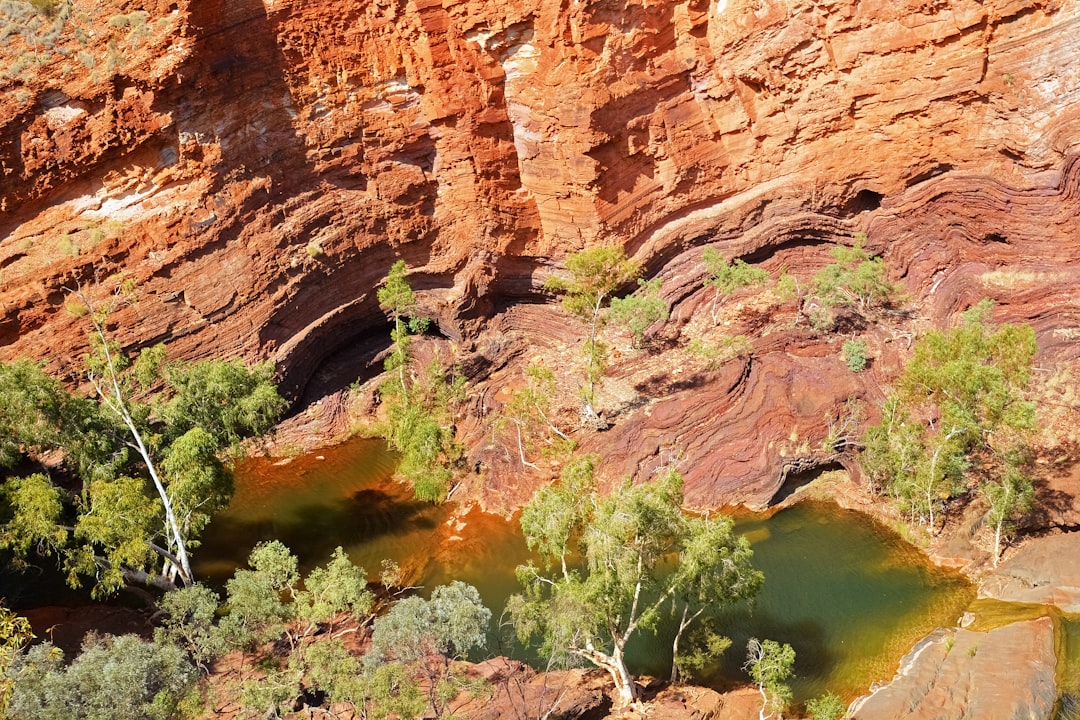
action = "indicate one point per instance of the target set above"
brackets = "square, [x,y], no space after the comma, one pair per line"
[256,167]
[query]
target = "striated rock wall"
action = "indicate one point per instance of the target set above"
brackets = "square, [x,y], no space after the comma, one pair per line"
[257,166]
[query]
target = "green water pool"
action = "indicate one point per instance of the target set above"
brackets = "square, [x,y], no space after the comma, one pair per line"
[848,594]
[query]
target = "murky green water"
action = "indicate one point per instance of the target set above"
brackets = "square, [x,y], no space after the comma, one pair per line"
[850,596]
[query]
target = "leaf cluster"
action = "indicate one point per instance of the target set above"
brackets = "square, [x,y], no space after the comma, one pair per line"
[855,277]
[594,274]
[639,311]
[963,392]
[727,277]
[121,678]
[620,563]
[113,524]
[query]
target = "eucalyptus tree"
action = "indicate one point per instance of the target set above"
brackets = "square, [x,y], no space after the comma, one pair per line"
[423,638]
[146,448]
[419,403]
[593,275]
[726,277]
[770,665]
[640,310]
[588,611]
[962,393]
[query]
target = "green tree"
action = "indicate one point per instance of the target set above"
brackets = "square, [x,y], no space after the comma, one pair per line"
[260,599]
[225,399]
[639,311]
[594,274]
[338,587]
[725,278]
[770,665]
[827,707]
[396,296]
[120,678]
[149,486]
[962,393]
[529,412]
[1010,495]
[626,585]
[30,407]
[15,635]
[145,447]
[425,636]
[855,280]
[189,623]
[418,406]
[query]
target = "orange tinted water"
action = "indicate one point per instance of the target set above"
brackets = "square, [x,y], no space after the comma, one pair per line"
[848,594]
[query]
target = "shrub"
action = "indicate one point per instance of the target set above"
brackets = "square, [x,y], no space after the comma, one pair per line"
[854,354]
[121,678]
[47,8]
[827,707]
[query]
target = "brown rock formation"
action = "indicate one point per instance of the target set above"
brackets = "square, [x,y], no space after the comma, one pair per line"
[256,167]
[1002,674]
[1045,571]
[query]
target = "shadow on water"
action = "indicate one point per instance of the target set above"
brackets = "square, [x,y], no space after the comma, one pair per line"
[370,517]
[849,595]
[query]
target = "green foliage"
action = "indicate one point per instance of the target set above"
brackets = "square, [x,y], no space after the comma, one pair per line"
[418,419]
[419,425]
[1009,495]
[827,707]
[35,507]
[706,645]
[639,311]
[116,443]
[197,481]
[529,411]
[854,280]
[224,398]
[627,542]
[725,278]
[338,587]
[724,350]
[854,354]
[393,692]
[961,393]
[115,532]
[30,408]
[15,635]
[425,635]
[594,274]
[120,678]
[770,665]
[259,600]
[190,613]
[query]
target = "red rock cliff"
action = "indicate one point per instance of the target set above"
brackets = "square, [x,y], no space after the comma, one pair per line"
[256,167]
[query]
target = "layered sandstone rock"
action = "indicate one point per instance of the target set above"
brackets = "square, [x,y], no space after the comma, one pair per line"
[1002,674]
[256,167]
[1045,571]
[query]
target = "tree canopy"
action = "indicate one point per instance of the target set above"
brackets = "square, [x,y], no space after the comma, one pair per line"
[962,393]
[418,405]
[642,559]
[145,450]
[592,276]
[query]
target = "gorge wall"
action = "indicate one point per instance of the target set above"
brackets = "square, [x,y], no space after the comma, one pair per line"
[255,167]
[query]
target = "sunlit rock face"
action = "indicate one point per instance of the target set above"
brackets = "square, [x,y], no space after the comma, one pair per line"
[255,167]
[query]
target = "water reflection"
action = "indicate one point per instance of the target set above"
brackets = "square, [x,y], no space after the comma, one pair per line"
[847,594]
